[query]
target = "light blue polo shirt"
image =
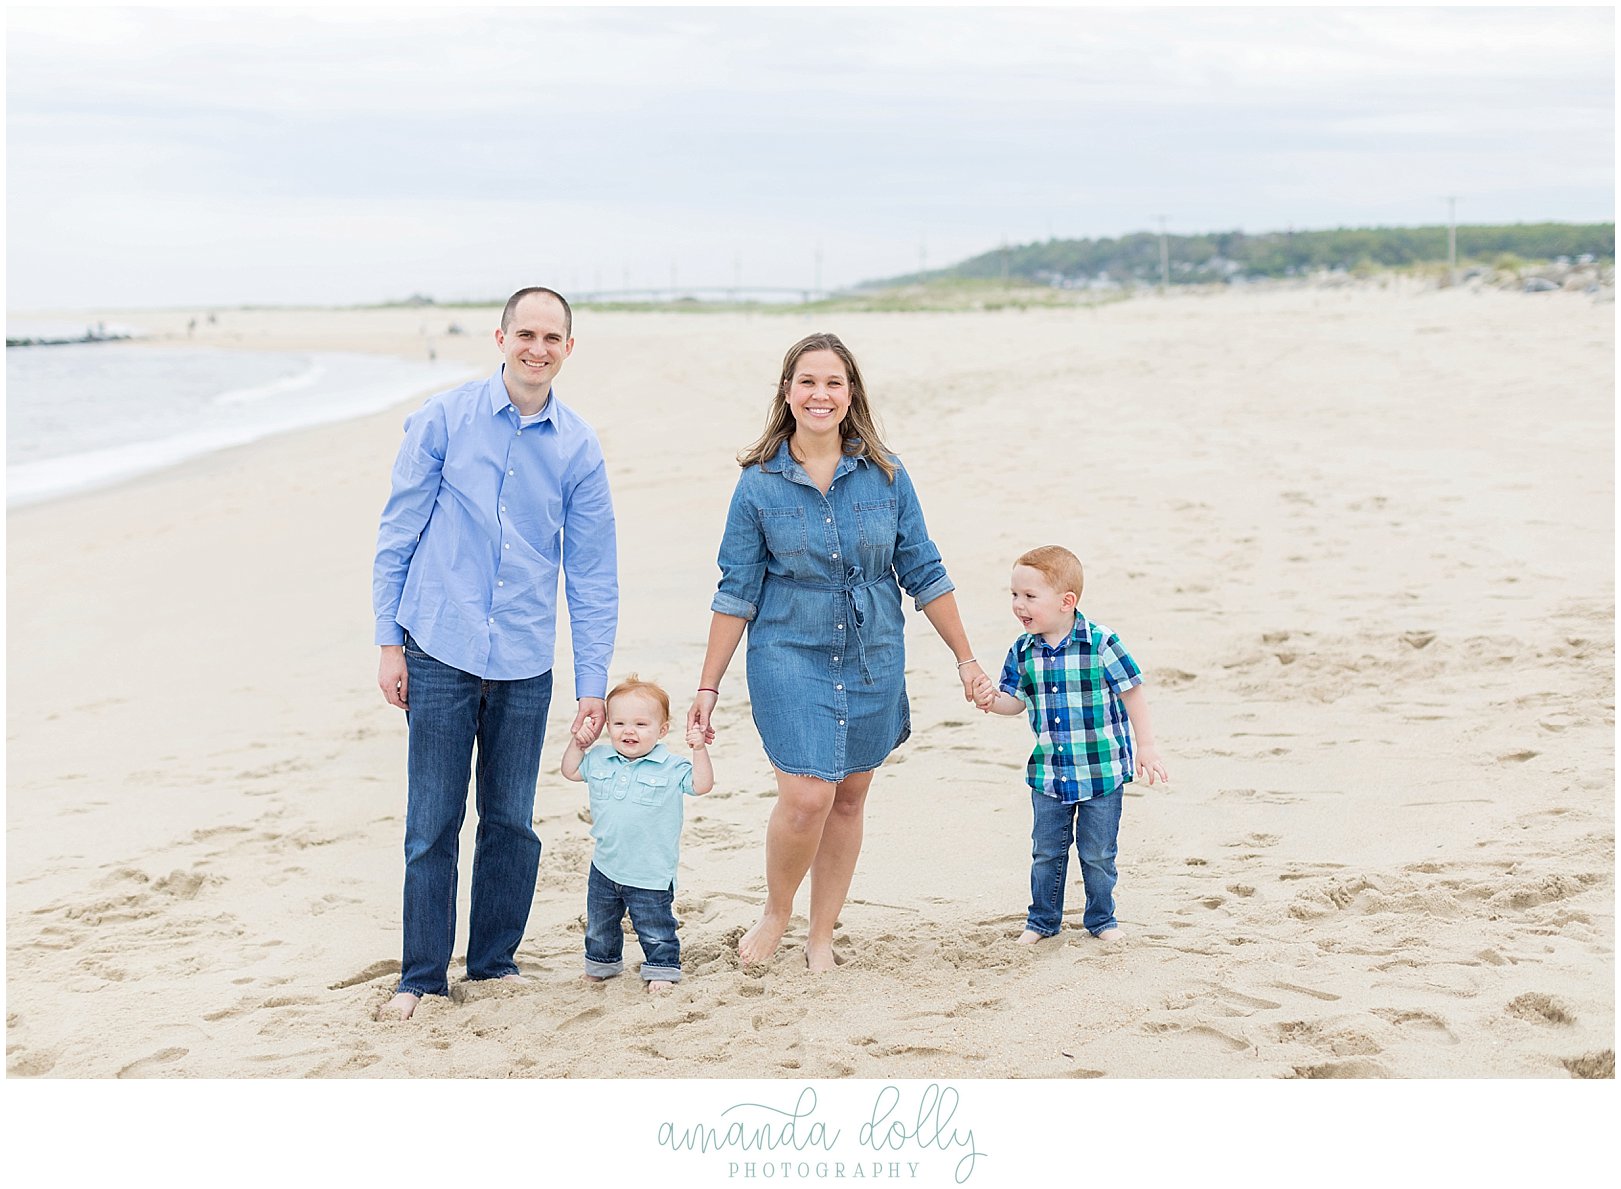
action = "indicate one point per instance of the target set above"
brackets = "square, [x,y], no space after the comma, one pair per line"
[636,814]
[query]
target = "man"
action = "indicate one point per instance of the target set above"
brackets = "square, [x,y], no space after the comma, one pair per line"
[497,486]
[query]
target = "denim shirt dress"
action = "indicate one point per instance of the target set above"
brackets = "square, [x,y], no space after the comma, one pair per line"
[819,579]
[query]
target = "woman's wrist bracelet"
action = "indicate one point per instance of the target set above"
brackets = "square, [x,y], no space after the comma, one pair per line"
[969,661]
[702,690]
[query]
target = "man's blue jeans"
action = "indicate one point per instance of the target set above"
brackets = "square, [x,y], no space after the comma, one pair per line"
[1094,827]
[652,913]
[451,713]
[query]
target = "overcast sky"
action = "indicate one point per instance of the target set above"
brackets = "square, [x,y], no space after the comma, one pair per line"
[218,155]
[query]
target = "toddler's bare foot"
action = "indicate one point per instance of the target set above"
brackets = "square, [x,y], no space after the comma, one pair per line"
[1030,937]
[1112,933]
[400,1007]
[760,942]
[659,986]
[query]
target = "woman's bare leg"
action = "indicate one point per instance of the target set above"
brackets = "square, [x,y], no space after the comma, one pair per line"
[791,841]
[834,866]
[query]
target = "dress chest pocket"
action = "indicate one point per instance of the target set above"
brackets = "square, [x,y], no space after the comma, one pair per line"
[784,530]
[875,520]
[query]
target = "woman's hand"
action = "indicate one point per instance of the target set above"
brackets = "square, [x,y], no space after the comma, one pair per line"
[971,675]
[703,705]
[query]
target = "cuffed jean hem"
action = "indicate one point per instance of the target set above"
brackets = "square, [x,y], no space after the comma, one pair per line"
[1035,928]
[484,978]
[402,989]
[603,969]
[660,974]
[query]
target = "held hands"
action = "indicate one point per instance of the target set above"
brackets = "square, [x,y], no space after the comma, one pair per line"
[589,721]
[703,705]
[970,674]
[696,739]
[1149,765]
[984,693]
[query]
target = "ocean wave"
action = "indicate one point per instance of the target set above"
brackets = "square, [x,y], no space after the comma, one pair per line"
[300,382]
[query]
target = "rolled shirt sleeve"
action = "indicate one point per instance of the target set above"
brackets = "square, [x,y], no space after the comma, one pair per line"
[918,567]
[591,577]
[414,486]
[742,558]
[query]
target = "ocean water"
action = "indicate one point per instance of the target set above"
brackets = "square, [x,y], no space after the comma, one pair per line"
[86,415]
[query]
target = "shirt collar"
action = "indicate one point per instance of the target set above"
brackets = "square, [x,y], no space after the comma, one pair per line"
[501,400]
[660,754]
[1081,632]
[783,463]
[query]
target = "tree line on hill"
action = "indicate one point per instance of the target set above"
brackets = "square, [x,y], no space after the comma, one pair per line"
[1235,255]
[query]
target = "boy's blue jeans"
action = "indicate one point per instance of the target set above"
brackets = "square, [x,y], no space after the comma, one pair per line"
[652,914]
[450,713]
[1094,827]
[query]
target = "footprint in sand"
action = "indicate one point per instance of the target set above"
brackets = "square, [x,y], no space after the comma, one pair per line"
[1424,1024]
[152,1066]
[1540,1009]
[1357,1067]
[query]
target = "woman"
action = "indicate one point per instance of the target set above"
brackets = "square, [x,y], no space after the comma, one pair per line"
[823,534]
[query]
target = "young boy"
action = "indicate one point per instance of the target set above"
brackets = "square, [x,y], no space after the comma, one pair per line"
[1080,688]
[636,789]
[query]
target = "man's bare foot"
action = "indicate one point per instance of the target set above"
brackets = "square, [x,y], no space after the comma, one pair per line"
[1112,933]
[659,986]
[514,978]
[760,942]
[821,958]
[1030,937]
[400,1007]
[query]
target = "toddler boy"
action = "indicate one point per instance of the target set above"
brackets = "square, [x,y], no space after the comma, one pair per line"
[1084,696]
[637,789]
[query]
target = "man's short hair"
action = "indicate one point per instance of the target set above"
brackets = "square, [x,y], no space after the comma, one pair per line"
[1057,565]
[512,305]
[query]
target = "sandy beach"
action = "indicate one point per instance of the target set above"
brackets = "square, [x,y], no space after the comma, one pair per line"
[1360,540]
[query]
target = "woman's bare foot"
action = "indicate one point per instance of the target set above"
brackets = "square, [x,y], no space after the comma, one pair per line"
[1112,933]
[400,1007]
[1030,937]
[760,942]
[659,986]
[821,958]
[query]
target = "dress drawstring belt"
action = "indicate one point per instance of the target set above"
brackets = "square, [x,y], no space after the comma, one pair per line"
[851,588]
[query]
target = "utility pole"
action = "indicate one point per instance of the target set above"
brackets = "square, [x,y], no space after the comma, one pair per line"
[1164,257]
[1452,239]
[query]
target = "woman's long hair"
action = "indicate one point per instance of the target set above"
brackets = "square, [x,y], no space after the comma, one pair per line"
[859,429]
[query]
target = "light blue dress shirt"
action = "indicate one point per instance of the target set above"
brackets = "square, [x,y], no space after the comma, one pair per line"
[637,808]
[482,515]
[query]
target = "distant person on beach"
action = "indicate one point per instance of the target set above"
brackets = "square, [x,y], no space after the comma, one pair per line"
[1085,699]
[824,532]
[497,487]
[637,790]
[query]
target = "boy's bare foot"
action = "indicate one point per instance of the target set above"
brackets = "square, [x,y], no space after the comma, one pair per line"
[1112,933]
[760,942]
[659,986]
[821,958]
[1030,937]
[400,1007]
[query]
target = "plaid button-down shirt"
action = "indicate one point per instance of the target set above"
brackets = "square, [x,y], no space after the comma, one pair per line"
[1072,692]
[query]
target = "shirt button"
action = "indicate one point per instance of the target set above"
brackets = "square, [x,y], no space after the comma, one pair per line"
[512,472]
[835,555]
[499,583]
[841,722]
[492,619]
[840,627]
[503,507]
[1052,689]
[829,520]
[838,687]
[835,658]
[520,433]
